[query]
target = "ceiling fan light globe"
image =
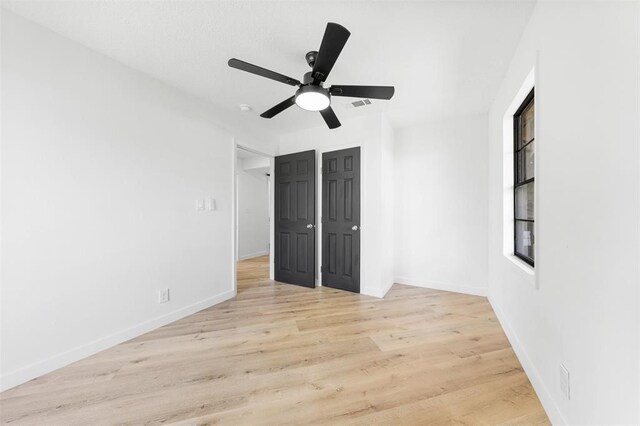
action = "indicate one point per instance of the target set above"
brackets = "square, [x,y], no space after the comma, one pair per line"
[312,98]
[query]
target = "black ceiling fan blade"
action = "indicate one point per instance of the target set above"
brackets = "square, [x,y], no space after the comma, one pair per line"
[272,112]
[372,92]
[330,118]
[263,72]
[335,37]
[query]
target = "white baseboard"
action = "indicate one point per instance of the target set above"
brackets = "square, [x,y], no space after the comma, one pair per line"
[252,255]
[549,405]
[386,287]
[436,285]
[379,293]
[55,362]
[372,293]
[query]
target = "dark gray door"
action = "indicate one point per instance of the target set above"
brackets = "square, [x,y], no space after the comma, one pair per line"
[341,219]
[295,214]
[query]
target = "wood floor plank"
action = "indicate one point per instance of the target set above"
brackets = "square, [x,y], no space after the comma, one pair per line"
[283,354]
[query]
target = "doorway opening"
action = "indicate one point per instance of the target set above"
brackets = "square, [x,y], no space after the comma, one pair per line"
[253,218]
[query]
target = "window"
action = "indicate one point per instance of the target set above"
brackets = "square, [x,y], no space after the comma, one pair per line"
[524,176]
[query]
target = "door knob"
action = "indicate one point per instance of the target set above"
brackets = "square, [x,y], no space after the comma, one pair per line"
[310,226]
[354,228]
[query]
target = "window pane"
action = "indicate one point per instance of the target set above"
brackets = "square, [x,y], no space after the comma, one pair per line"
[524,201]
[524,239]
[525,163]
[529,161]
[527,123]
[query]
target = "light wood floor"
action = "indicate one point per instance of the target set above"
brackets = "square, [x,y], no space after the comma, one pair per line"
[282,354]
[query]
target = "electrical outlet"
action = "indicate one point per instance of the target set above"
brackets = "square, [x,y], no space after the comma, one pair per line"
[163,295]
[565,384]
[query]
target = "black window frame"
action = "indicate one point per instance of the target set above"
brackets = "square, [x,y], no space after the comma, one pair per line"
[517,133]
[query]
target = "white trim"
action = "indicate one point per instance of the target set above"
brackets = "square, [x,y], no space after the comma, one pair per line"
[372,293]
[550,407]
[234,213]
[1,227]
[524,266]
[528,84]
[438,285]
[386,288]
[272,226]
[254,255]
[60,360]
[378,293]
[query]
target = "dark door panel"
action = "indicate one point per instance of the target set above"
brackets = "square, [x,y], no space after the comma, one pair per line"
[341,219]
[295,191]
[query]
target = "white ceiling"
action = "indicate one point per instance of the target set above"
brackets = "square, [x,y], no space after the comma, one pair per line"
[446,59]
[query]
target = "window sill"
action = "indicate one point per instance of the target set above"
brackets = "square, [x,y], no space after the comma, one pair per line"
[528,269]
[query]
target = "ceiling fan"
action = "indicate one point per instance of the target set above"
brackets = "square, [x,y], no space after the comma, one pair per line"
[310,95]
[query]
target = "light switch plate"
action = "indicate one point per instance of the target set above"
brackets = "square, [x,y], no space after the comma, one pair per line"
[211,204]
[200,205]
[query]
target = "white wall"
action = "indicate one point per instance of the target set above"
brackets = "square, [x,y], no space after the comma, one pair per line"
[101,169]
[387,205]
[441,205]
[366,132]
[253,210]
[581,306]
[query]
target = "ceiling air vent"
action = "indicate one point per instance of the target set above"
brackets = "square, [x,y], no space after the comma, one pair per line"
[361,103]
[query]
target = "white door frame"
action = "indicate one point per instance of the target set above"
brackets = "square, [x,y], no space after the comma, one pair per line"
[234,208]
[319,152]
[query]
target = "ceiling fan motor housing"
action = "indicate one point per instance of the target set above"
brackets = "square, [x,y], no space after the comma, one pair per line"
[308,79]
[311,58]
